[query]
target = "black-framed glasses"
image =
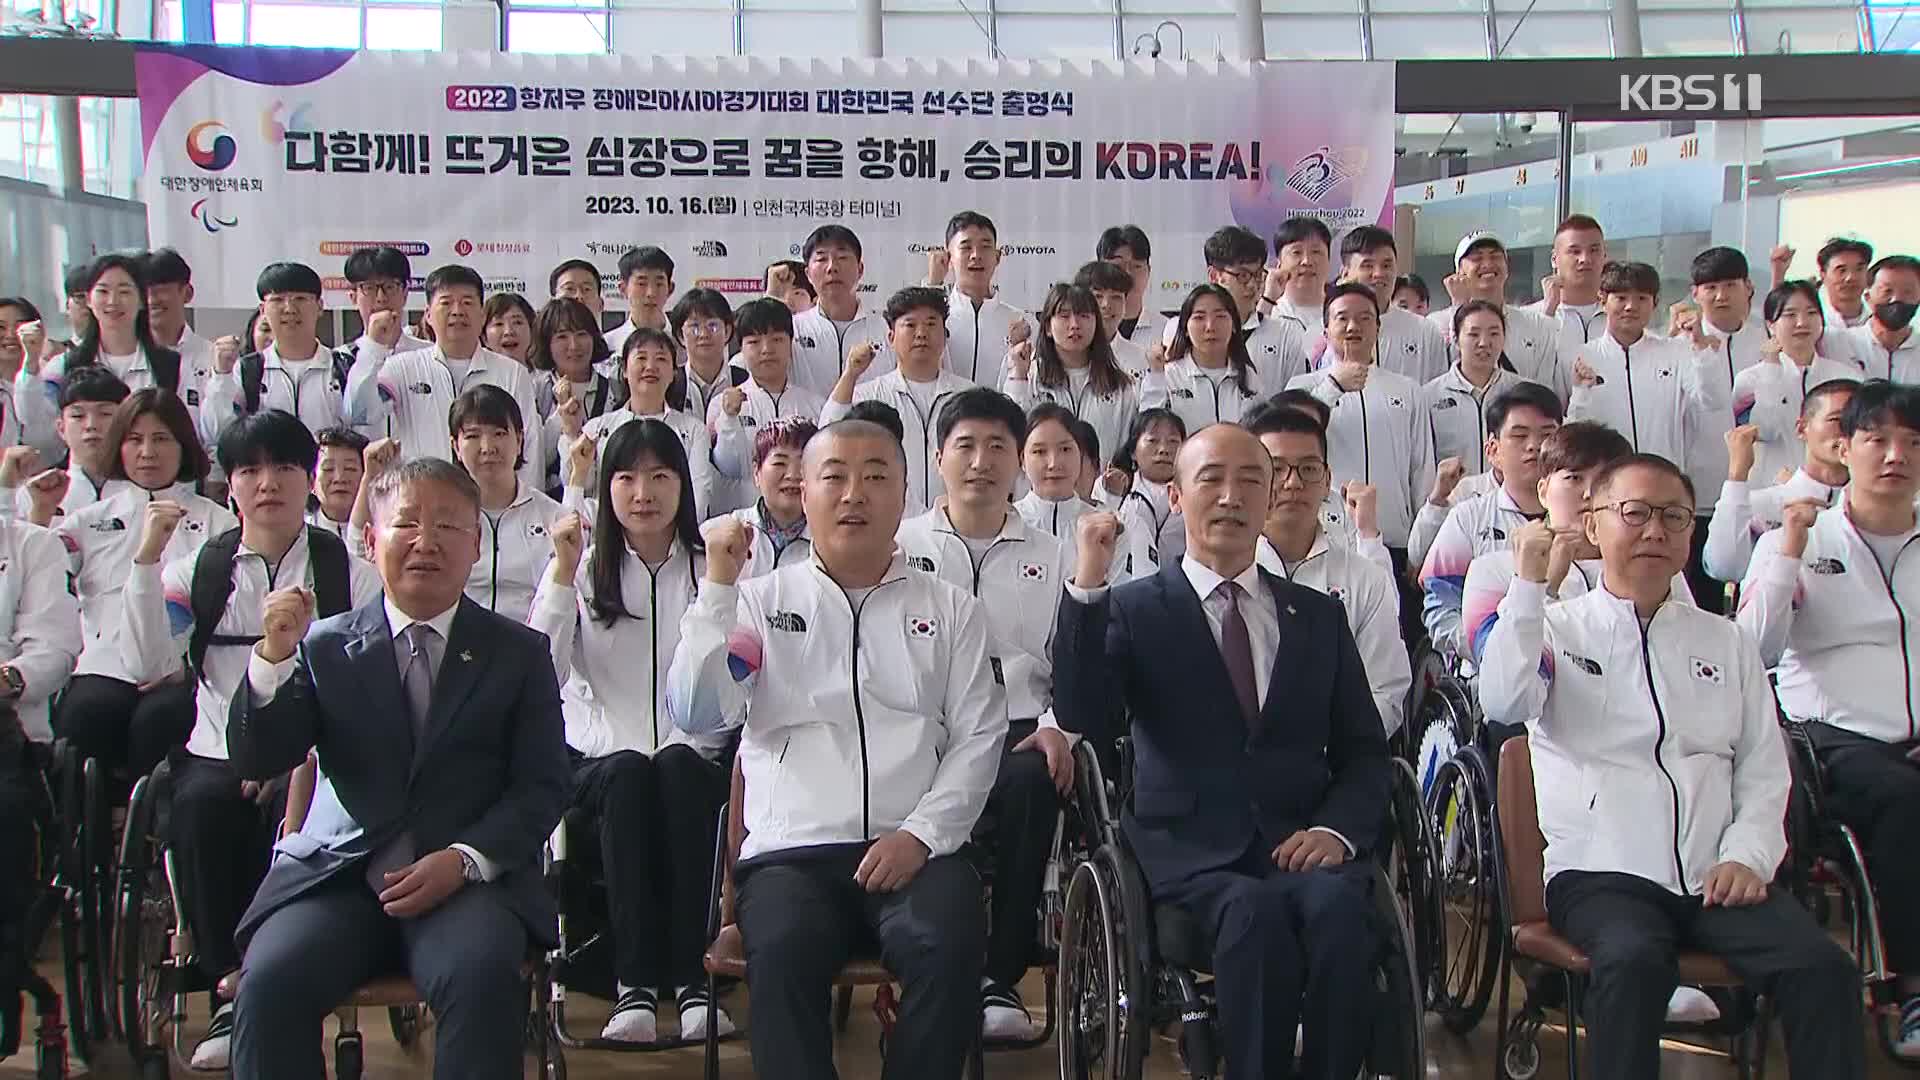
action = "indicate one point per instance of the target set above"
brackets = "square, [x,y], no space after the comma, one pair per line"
[1246,276]
[1309,472]
[1635,513]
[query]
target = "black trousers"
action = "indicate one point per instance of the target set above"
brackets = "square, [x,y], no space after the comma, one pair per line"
[802,917]
[1874,788]
[1022,809]
[222,842]
[1634,931]
[304,959]
[1709,592]
[1412,599]
[113,721]
[656,818]
[1291,951]
[22,812]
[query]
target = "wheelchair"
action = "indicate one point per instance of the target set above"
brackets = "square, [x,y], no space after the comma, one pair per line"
[82,837]
[1826,861]
[1129,966]
[45,898]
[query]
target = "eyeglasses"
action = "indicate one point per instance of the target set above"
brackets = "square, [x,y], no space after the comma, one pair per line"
[381,289]
[711,327]
[1635,514]
[1309,472]
[1248,276]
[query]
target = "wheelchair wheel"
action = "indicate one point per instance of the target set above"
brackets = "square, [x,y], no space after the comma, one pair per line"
[1415,874]
[1401,1051]
[1460,807]
[73,886]
[1102,996]
[144,931]
[97,917]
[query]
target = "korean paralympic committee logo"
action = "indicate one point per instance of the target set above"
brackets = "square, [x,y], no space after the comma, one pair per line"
[210,147]
[210,218]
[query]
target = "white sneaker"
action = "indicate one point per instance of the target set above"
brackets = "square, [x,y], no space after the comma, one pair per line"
[695,1009]
[1691,1005]
[210,1055]
[1003,1017]
[1907,1046]
[633,1019]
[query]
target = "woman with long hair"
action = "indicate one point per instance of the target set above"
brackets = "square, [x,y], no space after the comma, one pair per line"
[613,617]
[1073,365]
[1769,394]
[105,712]
[1207,375]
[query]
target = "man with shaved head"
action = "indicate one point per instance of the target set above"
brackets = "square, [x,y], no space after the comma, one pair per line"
[871,730]
[1261,769]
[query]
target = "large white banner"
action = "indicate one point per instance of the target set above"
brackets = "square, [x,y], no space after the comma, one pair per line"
[511,163]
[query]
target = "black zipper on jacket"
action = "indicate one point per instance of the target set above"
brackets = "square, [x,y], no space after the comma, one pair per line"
[493,569]
[1660,714]
[1906,658]
[926,448]
[1633,414]
[859,713]
[1366,441]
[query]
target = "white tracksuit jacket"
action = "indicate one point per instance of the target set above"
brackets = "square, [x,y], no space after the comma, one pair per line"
[1732,355]
[1655,749]
[1201,396]
[767,556]
[39,620]
[1457,415]
[1841,630]
[406,395]
[305,388]
[1533,345]
[733,437]
[861,716]
[1657,394]
[1745,514]
[1366,591]
[1111,415]
[923,476]
[1900,363]
[694,439]
[820,349]
[1769,396]
[1378,436]
[1412,346]
[977,336]
[1579,324]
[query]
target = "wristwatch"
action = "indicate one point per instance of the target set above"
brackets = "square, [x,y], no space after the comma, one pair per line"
[468,868]
[12,681]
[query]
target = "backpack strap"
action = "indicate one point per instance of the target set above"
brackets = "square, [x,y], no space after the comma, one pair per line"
[332,588]
[166,369]
[253,376]
[211,586]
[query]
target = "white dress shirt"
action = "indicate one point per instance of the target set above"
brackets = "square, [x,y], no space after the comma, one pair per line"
[1256,607]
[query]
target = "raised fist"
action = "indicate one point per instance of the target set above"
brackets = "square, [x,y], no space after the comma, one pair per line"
[1781,257]
[1533,551]
[33,342]
[163,517]
[1275,285]
[1446,477]
[1020,359]
[731,399]
[1456,286]
[779,281]
[1116,481]
[1157,357]
[580,458]
[938,263]
[17,464]
[1351,374]
[568,538]
[1740,442]
[226,353]
[385,327]
[1018,331]
[1584,375]
[45,493]
[1098,533]
[1363,508]
[729,547]
[285,620]
[379,456]
[1796,520]
[1550,291]
[860,358]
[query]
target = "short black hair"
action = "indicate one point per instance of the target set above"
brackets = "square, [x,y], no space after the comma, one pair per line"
[1365,240]
[1273,418]
[454,276]
[881,413]
[286,277]
[1623,277]
[1522,395]
[1841,245]
[1472,307]
[1088,437]
[1578,223]
[1131,237]
[1822,391]
[980,403]
[1231,245]
[553,279]
[1580,446]
[1719,264]
[1878,403]
[762,316]
[914,297]
[1049,411]
[970,219]
[1417,283]
[341,438]
[92,382]
[22,305]
[1303,399]
[164,266]
[705,303]
[646,257]
[1102,276]
[268,437]
[77,280]
[368,263]
[1301,227]
[1144,421]
[1348,288]
[1893,262]
[835,235]
[1604,478]
[488,405]
[1777,297]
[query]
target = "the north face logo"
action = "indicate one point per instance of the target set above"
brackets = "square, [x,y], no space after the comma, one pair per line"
[1828,566]
[999,676]
[748,421]
[1445,403]
[1582,663]
[921,563]
[110,525]
[419,388]
[710,249]
[1183,393]
[805,341]
[789,621]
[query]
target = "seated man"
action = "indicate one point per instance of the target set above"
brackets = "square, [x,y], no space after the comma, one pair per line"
[867,759]
[1832,596]
[1262,769]
[1747,513]
[206,606]
[445,769]
[1660,710]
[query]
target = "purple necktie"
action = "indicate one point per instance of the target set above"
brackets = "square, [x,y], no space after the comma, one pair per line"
[1236,648]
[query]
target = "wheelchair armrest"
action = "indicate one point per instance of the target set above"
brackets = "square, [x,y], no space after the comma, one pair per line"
[1804,763]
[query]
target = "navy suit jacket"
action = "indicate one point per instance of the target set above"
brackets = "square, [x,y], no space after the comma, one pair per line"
[1204,791]
[491,772]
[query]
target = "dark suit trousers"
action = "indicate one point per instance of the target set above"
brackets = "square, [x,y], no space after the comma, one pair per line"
[1872,786]
[802,917]
[221,842]
[1023,806]
[113,721]
[306,957]
[1290,951]
[1634,930]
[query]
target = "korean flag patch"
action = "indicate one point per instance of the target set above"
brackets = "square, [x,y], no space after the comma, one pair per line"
[1032,571]
[1707,671]
[922,626]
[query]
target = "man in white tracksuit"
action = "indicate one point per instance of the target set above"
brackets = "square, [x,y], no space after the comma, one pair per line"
[1735,336]
[1832,600]
[296,374]
[1661,711]
[825,335]
[1127,247]
[871,732]
[1747,513]
[764,329]
[1571,294]
[380,279]
[1409,344]
[1886,345]
[980,327]
[1843,266]
[1533,339]
[406,395]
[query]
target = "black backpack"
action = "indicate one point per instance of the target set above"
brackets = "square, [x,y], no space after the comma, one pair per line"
[213,584]
[253,376]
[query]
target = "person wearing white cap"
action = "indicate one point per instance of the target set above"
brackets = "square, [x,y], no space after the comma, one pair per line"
[1533,339]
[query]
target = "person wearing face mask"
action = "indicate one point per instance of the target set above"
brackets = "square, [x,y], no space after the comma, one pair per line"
[295,374]
[824,338]
[1110,286]
[1294,545]
[16,313]
[1457,401]
[1750,512]
[980,327]
[702,324]
[1634,699]
[1409,344]
[1153,530]
[648,363]
[79,477]
[1073,365]
[1571,294]
[109,712]
[1054,460]
[336,479]
[614,618]
[777,518]
[407,395]
[568,386]
[169,283]
[509,322]
[1127,248]
[1769,395]
[1533,339]
[1208,375]
[768,394]
[207,606]
[1886,345]
[917,388]
[646,280]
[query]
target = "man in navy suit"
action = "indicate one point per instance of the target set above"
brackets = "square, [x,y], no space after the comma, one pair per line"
[1261,770]
[443,769]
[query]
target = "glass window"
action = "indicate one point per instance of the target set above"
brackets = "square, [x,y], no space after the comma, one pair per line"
[1548,34]
[229,23]
[922,34]
[557,31]
[1066,37]
[1460,37]
[403,28]
[797,33]
[1313,37]
[313,25]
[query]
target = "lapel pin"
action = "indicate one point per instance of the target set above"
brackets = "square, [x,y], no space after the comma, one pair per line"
[466,657]
[1290,610]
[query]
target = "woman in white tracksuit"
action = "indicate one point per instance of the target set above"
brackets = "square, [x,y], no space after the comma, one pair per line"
[1153,531]
[1073,364]
[1208,376]
[778,520]
[1769,394]
[566,346]
[613,618]
[1455,402]
[647,359]
[516,522]
[1054,460]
